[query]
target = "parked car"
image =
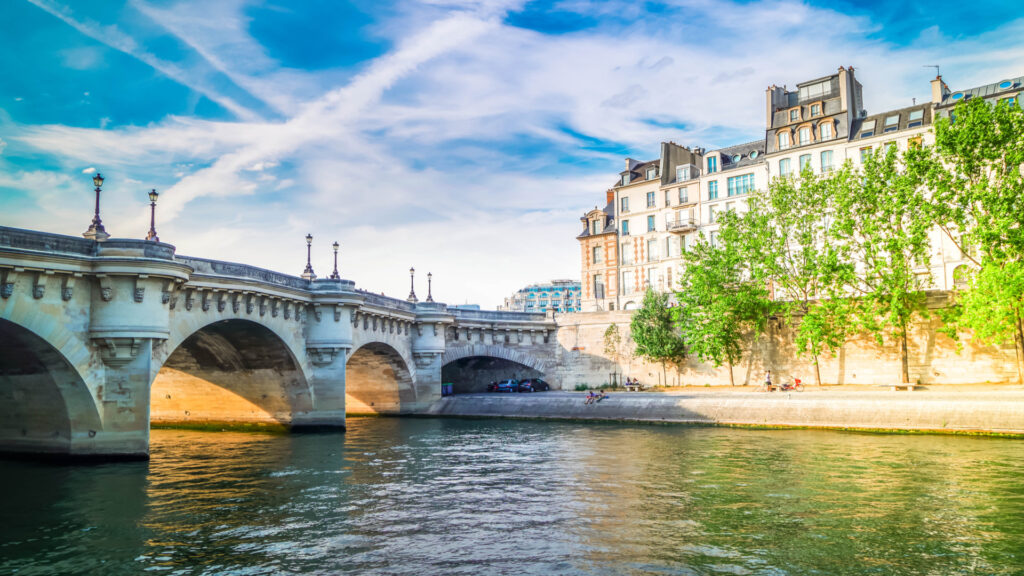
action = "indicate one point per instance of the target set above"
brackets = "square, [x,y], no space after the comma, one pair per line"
[533,385]
[503,386]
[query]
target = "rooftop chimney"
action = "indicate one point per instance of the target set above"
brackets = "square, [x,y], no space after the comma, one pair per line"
[939,90]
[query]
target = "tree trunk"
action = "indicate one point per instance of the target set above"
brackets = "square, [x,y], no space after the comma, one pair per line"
[1020,349]
[664,374]
[904,358]
[732,380]
[817,371]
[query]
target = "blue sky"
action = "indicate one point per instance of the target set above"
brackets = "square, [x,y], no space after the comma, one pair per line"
[463,137]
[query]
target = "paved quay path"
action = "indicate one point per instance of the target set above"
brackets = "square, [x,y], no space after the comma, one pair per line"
[950,409]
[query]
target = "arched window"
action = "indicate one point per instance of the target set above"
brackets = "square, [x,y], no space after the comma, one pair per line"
[783,140]
[826,131]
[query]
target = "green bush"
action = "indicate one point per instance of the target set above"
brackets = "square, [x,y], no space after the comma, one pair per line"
[582,387]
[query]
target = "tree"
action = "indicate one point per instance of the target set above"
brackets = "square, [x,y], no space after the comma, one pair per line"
[880,223]
[975,172]
[654,332]
[786,236]
[613,344]
[719,298]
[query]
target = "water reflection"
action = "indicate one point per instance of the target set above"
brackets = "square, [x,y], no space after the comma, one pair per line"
[400,496]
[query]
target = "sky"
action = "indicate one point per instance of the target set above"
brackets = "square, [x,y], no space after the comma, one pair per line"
[461,137]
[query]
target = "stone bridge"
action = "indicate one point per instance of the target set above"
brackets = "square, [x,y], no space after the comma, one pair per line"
[99,340]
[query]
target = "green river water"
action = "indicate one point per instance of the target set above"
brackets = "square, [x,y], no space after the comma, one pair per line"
[439,496]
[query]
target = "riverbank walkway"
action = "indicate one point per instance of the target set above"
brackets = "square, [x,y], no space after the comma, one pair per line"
[968,409]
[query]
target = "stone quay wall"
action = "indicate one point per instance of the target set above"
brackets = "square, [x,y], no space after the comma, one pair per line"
[934,358]
[988,412]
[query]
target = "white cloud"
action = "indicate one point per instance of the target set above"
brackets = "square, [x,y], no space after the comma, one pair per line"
[89,170]
[410,161]
[2,145]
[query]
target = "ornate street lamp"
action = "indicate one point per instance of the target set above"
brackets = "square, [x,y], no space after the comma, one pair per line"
[430,297]
[335,275]
[308,274]
[152,216]
[412,286]
[96,231]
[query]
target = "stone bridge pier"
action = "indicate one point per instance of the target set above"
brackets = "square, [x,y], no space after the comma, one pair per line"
[101,340]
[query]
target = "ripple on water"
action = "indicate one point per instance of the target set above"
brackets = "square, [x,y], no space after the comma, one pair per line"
[489,497]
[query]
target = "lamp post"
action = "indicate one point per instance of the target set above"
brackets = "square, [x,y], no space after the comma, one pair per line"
[412,286]
[335,275]
[96,230]
[152,216]
[308,274]
[430,297]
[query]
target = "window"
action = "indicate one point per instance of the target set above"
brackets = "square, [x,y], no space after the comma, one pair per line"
[712,211]
[815,110]
[816,90]
[888,146]
[624,204]
[625,227]
[868,129]
[652,250]
[650,199]
[627,253]
[713,239]
[804,134]
[651,173]
[864,153]
[740,184]
[1010,101]
[892,123]
[668,201]
[669,245]
[684,195]
[650,223]
[679,174]
[794,115]
[595,226]
[826,161]
[785,167]
[712,164]
[627,282]
[783,140]
[915,119]
[826,131]
[805,161]
[712,189]
[598,286]
[625,179]
[598,255]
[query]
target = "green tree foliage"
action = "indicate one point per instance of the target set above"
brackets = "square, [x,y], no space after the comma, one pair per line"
[975,172]
[720,299]
[786,235]
[880,223]
[654,332]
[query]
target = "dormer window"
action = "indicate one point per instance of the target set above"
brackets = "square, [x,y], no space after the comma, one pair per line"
[815,110]
[783,140]
[868,129]
[625,179]
[794,115]
[712,164]
[804,134]
[915,119]
[892,123]
[651,173]
[826,131]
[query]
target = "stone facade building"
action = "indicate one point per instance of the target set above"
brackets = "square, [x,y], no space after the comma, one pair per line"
[656,208]
[561,296]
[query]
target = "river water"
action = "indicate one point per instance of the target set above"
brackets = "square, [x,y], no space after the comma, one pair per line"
[435,496]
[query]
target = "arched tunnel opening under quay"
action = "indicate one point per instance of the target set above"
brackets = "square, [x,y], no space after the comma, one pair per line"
[473,374]
[233,372]
[43,399]
[377,381]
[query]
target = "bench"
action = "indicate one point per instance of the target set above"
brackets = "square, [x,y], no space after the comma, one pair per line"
[895,387]
[633,387]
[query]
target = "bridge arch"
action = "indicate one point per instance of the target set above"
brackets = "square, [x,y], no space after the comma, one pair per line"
[378,380]
[229,371]
[471,367]
[45,405]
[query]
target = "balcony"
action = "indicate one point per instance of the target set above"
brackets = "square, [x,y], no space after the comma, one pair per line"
[681,225]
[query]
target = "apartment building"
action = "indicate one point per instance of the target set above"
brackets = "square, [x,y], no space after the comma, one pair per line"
[557,295]
[660,205]
[600,258]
